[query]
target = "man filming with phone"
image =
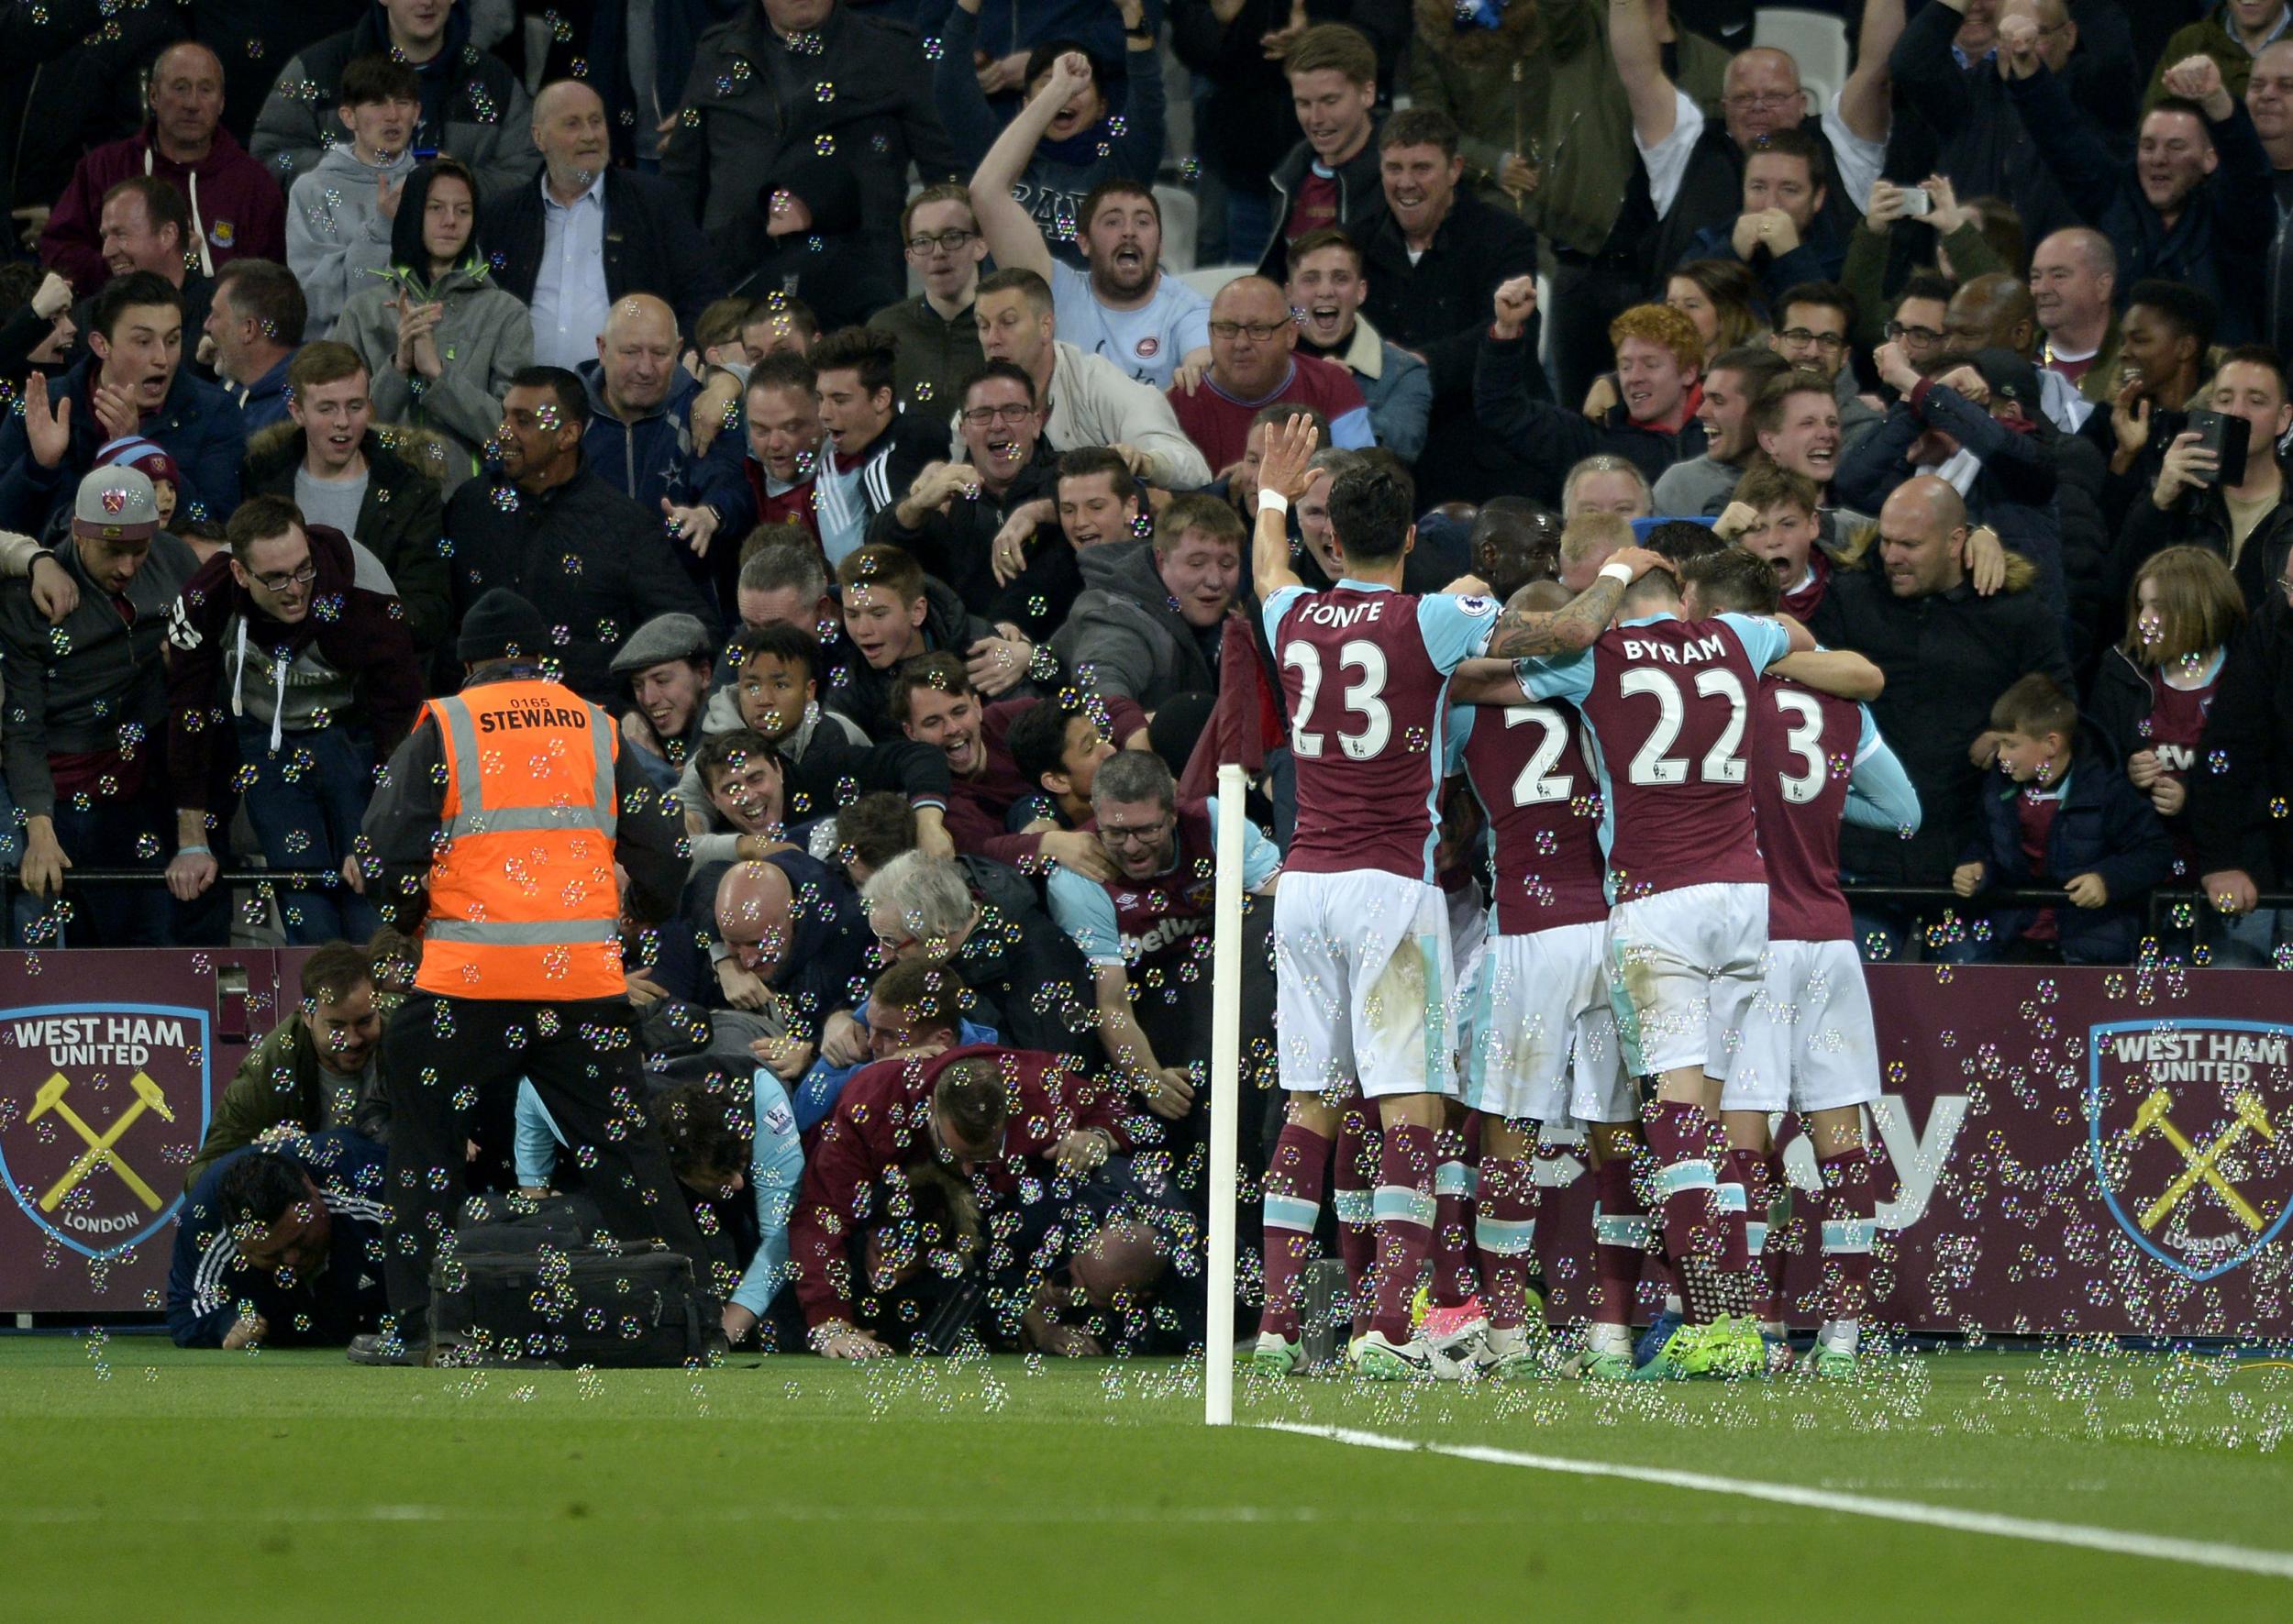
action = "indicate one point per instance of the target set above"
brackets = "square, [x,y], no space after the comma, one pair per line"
[2221,485]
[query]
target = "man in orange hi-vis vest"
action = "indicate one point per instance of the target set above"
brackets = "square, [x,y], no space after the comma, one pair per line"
[503,833]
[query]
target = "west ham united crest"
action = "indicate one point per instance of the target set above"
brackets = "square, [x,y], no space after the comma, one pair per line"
[93,1097]
[2192,1128]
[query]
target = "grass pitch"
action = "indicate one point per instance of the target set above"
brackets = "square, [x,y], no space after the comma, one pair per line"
[148,1481]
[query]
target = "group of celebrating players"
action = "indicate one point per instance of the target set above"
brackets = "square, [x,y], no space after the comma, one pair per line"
[1661,764]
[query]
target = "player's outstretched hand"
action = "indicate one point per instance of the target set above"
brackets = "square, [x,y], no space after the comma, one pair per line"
[1640,560]
[1287,445]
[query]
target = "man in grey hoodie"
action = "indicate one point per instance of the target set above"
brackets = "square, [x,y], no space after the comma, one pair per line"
[339,228]
[1150,621]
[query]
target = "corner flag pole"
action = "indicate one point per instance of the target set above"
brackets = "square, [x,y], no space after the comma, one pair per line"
[1227,1102]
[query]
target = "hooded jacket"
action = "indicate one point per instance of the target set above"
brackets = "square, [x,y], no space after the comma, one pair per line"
[1493,82]
[485,339]
[474,106]
[652,458]
[588,557]
[237,208]
[1947,656]
[400,521]
[1125,637]
[227,659]
[2103,826]
[337,237]
[197,424]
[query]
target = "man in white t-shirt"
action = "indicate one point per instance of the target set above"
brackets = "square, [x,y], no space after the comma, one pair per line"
[1123,307]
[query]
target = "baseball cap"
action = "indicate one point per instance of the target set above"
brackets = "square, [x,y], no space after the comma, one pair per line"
[660,639]
[116,505]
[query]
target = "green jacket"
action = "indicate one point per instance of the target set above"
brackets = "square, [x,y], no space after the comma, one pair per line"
[1495,82]
[2212,37]
[1588,137]
[1864,274]
[282,1083]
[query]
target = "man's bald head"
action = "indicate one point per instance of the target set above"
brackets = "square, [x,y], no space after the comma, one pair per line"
[2057,32]
[1992,312]
[570,131]
[1922,538]
[755,907]
[639,348]
[2074,278]
[186,99]
[1761,94]
[2269,94]
[1251,363]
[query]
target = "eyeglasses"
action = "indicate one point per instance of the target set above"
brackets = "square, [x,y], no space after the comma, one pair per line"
[1260,331]
[1145,835]
[291,578]
[1897,331]
[1802,337]
[981,416]
[947,241]
[1765,101]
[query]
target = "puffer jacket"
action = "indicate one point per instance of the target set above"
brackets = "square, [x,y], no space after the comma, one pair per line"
[1495,83]
[1125,636]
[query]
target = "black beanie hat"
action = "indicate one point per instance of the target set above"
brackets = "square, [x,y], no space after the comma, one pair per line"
[502,626]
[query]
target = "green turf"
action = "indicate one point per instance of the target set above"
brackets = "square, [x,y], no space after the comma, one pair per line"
[195,1485]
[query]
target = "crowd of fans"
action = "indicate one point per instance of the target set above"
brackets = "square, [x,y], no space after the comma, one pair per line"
[818,372]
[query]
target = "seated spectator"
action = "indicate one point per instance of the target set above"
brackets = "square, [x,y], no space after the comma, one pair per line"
[1948,654]
[1326,290]
[1104,259]
[331,461]
[318,1068]
[2093,833]
[794,931]
[2154,688]
[1774,514]
[144,224]
[668,662]
[2243,846]
[892,611]
[1702,485]
[950,516]
[1254,363]
[936,334]
[1024,976]
[281,1244]
[1092,402]
[873,450]
[783,428]
[728,1137]
[2195,208]
[1073,136]
[1330,175]
[1656,426]
[591,234]
[338,688]
[133,383]
[988,816]
[1146,930]
[256,319]
[238,208]
[1780,233]
[2247,522]
[1029,1136]
[640,435]
[1150,622]
[441,342]
[547,527]
[85,694]
[473,108]
[1057,748]
[339,230]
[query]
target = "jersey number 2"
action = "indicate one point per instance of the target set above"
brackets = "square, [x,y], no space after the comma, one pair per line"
[1652,766]
[1538,783]
[1367,661]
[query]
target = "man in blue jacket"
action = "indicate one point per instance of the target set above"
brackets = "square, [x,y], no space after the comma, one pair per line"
[640,441]
[281,1242]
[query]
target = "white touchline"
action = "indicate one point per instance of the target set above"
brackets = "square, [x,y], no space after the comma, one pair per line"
[2275,1564]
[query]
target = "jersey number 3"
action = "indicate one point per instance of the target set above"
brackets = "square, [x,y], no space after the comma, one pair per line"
[1651,765]
[1365,660]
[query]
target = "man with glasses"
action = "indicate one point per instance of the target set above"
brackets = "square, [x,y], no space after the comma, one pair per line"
[938,333]
[1254,363]
[1147,933]
[1921,317]
[317,697]
[1812,323]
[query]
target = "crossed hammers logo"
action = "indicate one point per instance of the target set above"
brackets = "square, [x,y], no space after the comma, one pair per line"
[149,1096]
[2251,1118]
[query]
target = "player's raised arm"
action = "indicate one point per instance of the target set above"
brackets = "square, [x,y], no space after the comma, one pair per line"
[1486,682]
[1523,634]
[1838,671]
[1283,476]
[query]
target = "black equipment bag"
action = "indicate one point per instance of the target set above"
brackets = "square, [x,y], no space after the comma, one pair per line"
[527,1285]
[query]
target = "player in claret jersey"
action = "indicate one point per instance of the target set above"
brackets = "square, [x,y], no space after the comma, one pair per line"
[1808,1041]
[1667,702]
[1361,946]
